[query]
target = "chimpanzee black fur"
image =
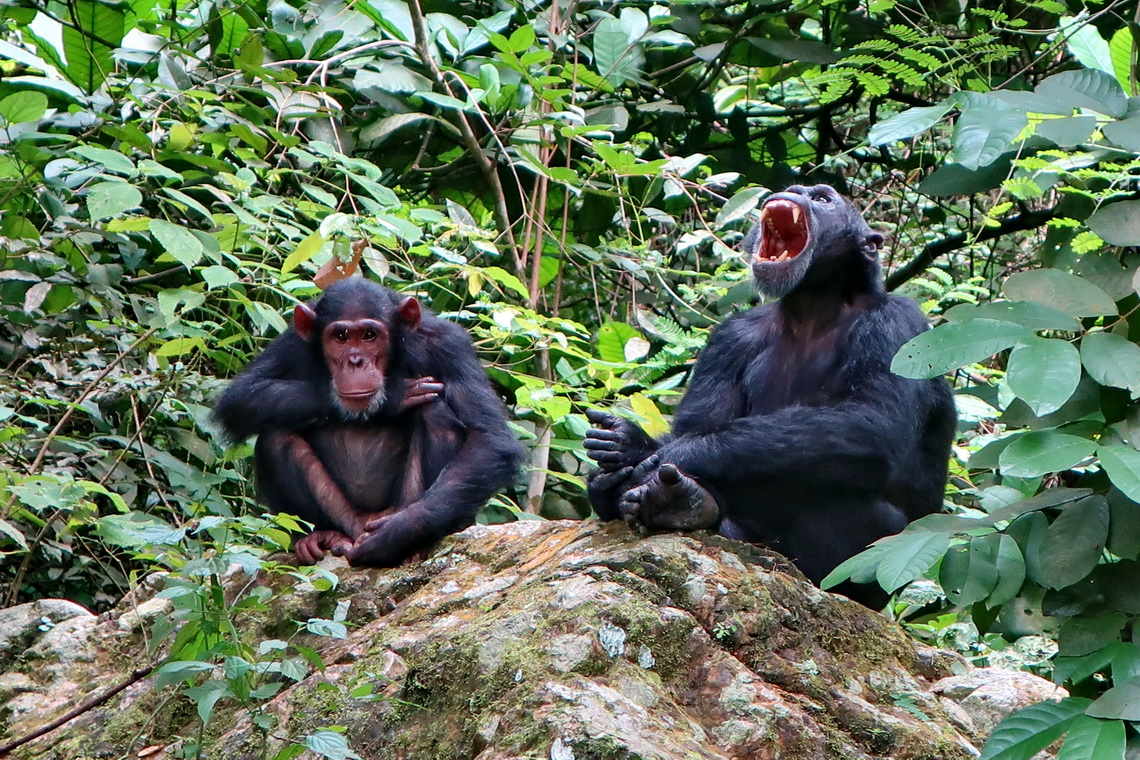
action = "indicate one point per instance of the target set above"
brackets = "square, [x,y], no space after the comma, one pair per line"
[794,432]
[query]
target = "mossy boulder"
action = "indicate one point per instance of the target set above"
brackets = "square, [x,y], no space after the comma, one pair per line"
[561,640]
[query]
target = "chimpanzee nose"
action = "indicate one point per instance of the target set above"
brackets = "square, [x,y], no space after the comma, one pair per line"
[356,361]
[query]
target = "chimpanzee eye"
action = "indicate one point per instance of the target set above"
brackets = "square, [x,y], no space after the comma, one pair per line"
[340,336]
[821,197]
[370,334]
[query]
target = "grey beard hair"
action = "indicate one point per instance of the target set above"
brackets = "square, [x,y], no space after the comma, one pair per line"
[779,284]
[359,415]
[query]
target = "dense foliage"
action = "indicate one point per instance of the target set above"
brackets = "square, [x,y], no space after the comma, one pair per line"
[568,181]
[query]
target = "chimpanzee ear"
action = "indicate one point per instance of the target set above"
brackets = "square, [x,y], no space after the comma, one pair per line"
[872,243]
[408,313]
[303,318]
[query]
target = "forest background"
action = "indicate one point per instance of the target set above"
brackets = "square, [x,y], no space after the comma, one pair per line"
[568,182]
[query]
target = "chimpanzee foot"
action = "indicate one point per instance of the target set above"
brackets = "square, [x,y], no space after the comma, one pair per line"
[669,500]
[311,549]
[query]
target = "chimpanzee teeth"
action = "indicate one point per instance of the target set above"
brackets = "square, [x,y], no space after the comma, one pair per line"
[795,214]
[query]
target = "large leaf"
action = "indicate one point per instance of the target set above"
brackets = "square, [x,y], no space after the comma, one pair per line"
[969,572]
[1086,44]
[1073,543]
[1122,702]
[953,345]
[616,58]
[1040,453]
[983,132]
[89,41]
[1027,732]
[23,106]
[1068,131]
[1086,88]
[178,241]
[1120,51]
[1035,316]
[1011,572]
[907,123]
[612,337]
[1118,223]
[1060,290]
[110,199]
[1085,634]
[1092,739]
[1112,360]
[909,555]
[1122,464]
[1044,373]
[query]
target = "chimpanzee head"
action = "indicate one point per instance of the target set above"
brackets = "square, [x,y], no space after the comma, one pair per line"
[357,328]
[808,235]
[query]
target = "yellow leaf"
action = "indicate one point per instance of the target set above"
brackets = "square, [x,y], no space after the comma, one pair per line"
[655,424]
[304,251]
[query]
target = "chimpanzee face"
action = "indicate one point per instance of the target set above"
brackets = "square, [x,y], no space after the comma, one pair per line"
[356,332]
[357,352]
[802,229]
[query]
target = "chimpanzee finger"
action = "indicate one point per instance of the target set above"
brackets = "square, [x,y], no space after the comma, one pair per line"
[669,474]
[611,478]
[600,418]
[603,435]
[307,551]
[601,444]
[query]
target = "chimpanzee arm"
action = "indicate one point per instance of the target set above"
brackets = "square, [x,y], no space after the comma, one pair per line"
[849,444]
[485,463]
[713,400]
[283,389]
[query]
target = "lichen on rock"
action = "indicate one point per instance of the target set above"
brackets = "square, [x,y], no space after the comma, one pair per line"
[567,640]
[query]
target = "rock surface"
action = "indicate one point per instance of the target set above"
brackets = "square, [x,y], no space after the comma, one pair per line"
[560,640]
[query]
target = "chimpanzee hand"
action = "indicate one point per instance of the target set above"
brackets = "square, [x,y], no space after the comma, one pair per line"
[419,391]
[667,498]
[386,540]
[311,549]
[615,443]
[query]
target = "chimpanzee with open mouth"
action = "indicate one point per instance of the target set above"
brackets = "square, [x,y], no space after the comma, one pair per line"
[794,432]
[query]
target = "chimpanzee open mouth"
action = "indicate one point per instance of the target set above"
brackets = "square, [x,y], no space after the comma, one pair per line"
[783,232]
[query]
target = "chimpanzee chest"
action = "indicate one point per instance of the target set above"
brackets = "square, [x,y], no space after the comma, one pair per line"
[787,371]
[368,462]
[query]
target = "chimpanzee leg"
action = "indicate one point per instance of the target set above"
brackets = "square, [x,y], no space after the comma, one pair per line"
[294,481]
[668,499]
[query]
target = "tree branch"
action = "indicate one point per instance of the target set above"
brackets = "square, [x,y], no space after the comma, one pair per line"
[932,251]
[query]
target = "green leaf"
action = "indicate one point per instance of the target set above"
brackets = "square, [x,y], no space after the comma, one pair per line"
[612,337]
[1060,290]
[111,160]
[739,205]
[218,276]
[1112,360]
[1011,572]
[330,744]
[1067,131]
[953,345]
[206,695]
[1040,453]
[1126,134]
[1122,464]
[1092,739]
[615,57]
[1117,223]
[908,123]
[1120,50]
[1086,44]
[1086,88]
[983,132]
[1044,373]
[89,41]
[111,199]
[1028,731]
[1024,313]
[178,241]
[304,251]
[1085,634]
[853,566]
[1121,702]
[969,571]
[23,106]
[909,555]
[1073,543]
[179,347]
[503,277]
